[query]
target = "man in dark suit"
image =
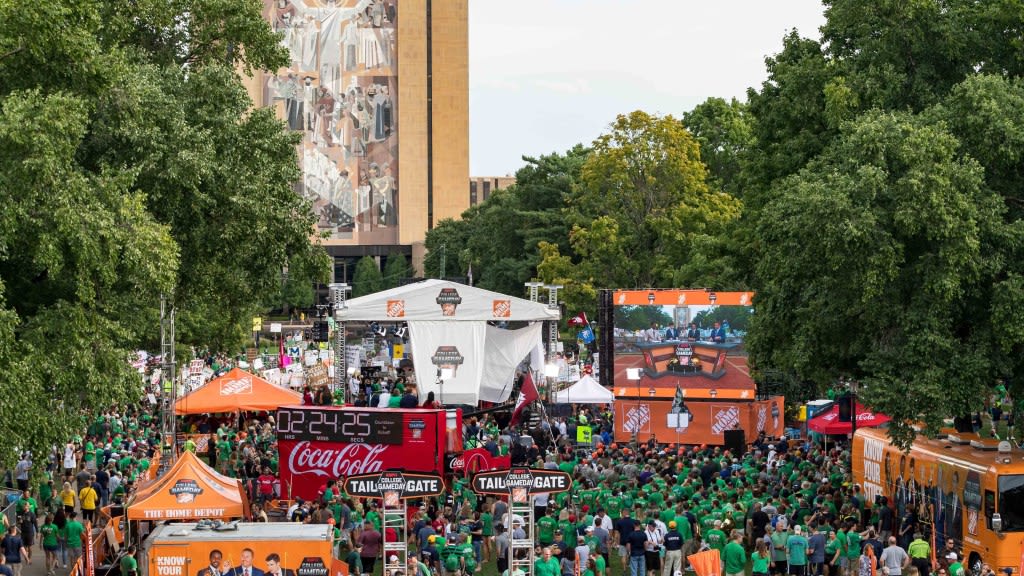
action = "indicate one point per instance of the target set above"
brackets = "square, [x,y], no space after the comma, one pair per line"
[246,568]
[274,567]
[718,334]
[214,568]
[693,334]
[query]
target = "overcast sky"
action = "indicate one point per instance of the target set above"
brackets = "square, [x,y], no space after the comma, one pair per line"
[547,74]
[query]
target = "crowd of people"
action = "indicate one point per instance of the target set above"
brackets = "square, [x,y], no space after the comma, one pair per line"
[783,507]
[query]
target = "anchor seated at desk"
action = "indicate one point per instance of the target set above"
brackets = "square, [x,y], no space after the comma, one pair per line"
[704,358]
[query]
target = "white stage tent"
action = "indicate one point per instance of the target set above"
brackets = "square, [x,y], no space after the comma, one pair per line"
[449,335]
[585,391]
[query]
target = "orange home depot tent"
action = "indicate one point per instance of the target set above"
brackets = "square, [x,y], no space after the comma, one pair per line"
[236,391]
[190,490]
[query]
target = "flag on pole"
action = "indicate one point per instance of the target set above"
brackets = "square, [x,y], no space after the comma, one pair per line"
[283,360]
[586,335]
[527,394]
[677,402]
[579,320]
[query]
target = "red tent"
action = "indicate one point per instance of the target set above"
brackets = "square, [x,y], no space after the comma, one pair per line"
[828,423]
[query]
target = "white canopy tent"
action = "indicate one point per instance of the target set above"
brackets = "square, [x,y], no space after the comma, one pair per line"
[456,354]
[585,391]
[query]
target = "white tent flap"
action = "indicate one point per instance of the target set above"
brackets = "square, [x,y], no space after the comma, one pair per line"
[586,391]
[504,351]
[452,349]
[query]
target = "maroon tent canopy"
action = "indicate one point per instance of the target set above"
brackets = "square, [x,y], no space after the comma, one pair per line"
[828,423]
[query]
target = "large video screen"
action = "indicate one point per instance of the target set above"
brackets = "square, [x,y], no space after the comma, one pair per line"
[680,367]
[685,338]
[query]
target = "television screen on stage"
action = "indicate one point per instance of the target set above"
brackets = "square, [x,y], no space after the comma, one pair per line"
[693,338]
[680,367]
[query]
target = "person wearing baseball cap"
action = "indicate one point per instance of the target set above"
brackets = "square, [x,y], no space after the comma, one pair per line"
[673,550]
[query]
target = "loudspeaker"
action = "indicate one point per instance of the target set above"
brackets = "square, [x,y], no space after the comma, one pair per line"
[845,407]
[736,442]
[963,424]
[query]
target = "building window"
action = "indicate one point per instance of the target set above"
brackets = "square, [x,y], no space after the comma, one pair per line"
[472,192]
[487,189]
[344,269]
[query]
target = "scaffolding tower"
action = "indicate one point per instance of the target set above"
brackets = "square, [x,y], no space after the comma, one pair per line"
[520,550]
[168,383]
[339,293]
[396,554]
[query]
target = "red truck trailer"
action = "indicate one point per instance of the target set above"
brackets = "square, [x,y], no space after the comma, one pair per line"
[320,443]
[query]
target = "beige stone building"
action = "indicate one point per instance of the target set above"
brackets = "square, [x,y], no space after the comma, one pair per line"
[379,90]
[481,187]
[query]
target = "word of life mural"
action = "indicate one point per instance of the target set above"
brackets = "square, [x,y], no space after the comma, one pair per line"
[340,91]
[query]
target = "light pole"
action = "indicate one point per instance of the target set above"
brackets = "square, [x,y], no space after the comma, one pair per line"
[634,374]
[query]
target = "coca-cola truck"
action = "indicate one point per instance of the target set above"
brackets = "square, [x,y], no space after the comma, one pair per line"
[320,443]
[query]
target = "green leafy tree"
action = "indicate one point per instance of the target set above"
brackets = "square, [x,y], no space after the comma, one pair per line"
[738,317]
[872,258]
[641,317]
[367,278]
[395,269]
[132,165]
[725,134]
[500,238]
[641,210]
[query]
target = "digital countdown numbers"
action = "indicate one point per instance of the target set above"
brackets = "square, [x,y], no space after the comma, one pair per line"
[343,426]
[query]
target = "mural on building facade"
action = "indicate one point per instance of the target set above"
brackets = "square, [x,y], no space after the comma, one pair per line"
[340,91]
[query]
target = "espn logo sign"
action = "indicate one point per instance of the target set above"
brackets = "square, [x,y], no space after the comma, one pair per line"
[395,309]
[501,308]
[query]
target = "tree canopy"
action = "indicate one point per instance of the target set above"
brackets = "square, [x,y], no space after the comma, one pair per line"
[132,165]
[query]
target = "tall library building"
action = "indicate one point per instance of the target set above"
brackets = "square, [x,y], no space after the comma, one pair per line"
[379,90]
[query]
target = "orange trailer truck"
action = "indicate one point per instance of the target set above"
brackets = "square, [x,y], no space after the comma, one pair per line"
[964,487]
[255,549]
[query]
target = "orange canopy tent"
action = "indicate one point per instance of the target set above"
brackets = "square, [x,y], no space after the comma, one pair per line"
[236,391]
[190,490]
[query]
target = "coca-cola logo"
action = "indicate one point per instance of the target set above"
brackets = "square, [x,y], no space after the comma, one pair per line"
[353,459]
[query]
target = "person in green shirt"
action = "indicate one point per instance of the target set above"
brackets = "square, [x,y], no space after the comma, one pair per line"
[796,551]
[487,519]
[832,552]
[735,556]
[129,567]
[48,531]
[468,556]
[73,531]
[546,565]
[716,537]
[760,559]
[852,544]
[26,498]
[779,537]
[46,494]
[600,565]
[546,530]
